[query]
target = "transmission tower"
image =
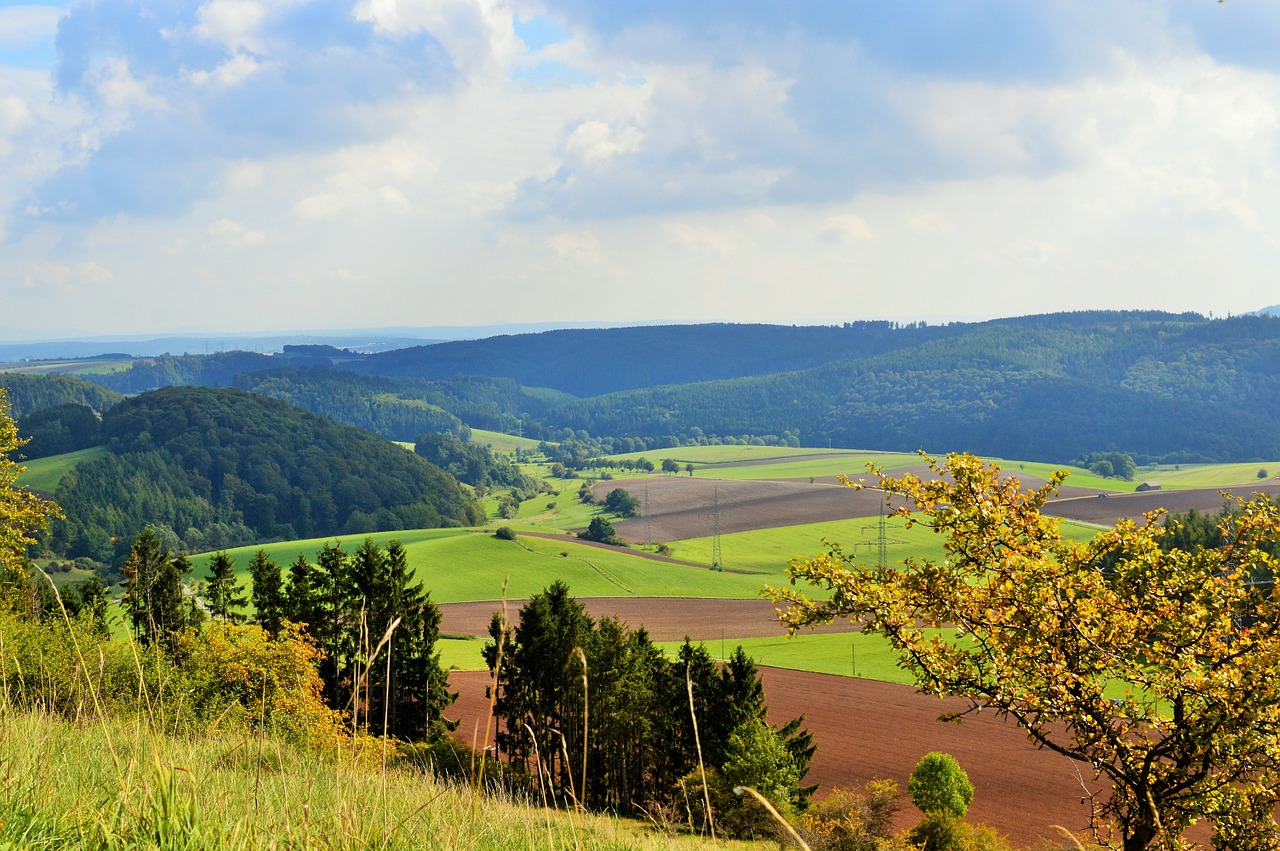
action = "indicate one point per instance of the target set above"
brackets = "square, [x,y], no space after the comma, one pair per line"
[717,562]
[648,536]
[882,542]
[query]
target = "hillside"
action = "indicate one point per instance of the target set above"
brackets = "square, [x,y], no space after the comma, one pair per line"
[29,394]
[216,468]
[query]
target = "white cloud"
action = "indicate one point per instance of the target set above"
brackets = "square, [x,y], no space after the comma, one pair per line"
[368,178]
[594,143]
[66,277]
[847,228]
[228,234]
[478,35]
[233,23]
[580,248]
[121,91]
[704,241]
[233,72]
[24,25]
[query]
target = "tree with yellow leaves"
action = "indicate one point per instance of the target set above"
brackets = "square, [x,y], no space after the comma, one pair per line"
[1157,667]
[21,512]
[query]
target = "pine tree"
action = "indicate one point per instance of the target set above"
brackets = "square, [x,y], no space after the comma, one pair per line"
[223,591]
[302,603]
[156,602]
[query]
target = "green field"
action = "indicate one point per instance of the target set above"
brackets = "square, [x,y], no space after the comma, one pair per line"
[1210,475]
[767,552]
[845,654]
[458,565]
[461,654]
[729,454]
[87,366]
[849,464]
[43,474]
[500,442]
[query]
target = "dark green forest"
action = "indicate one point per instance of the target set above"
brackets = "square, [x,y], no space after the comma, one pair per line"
[1157,386]
[215,468]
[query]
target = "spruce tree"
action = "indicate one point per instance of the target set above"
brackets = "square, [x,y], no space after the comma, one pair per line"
[267,591]
[223,591]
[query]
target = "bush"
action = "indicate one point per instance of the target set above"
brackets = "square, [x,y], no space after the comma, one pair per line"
[939,831]
[848,821]
[939,785]
[505,533]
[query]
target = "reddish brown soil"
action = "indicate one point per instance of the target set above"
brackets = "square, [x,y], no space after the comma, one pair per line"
[666,619]
[867,730]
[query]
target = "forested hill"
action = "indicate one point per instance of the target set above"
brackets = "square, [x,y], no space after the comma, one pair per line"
[29,394]
[1159,386]
[589,362]
[1156,386]
[220,467]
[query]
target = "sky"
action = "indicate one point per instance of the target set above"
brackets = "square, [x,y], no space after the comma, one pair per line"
[250,165]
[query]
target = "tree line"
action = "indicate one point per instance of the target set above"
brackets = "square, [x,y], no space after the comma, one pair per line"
[374,628]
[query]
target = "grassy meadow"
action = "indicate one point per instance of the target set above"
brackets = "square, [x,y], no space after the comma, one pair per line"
[43,474]
[459,565]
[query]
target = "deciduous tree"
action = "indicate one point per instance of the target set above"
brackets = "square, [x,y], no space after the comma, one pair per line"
[1158,672]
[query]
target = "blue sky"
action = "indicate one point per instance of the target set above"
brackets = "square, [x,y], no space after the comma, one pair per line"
[242,165]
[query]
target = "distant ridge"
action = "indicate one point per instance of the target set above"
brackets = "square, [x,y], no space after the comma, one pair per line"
[1273,310]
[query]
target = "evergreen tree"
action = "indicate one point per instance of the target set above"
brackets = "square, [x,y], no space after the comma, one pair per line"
[302,603]
[155,599]
[223,591]
[267,591]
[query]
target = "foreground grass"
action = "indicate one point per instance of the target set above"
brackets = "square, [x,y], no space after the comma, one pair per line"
[120,785]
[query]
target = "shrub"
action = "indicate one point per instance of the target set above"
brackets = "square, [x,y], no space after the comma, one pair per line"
[847,820]
[505,533]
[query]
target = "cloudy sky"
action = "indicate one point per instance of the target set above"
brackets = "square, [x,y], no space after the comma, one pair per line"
[241,165]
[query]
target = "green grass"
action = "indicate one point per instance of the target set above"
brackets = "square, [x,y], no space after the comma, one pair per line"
[43,474]
[461,654]
[852,464]
[65,789]
[845,654]
[500,442]
[457,565]
[767,552]
[728,454]
[1209,475]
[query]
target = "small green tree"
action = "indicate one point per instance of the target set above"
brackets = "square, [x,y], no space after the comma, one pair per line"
[670,465]
[601,531]
[621,503]
[940,785]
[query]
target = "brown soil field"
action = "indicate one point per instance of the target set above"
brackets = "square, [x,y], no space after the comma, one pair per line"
[1107,511]
[680,507]
[666,619]
[867,730]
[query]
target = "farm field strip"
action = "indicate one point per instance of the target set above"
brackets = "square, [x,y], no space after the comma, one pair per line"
[727,454]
